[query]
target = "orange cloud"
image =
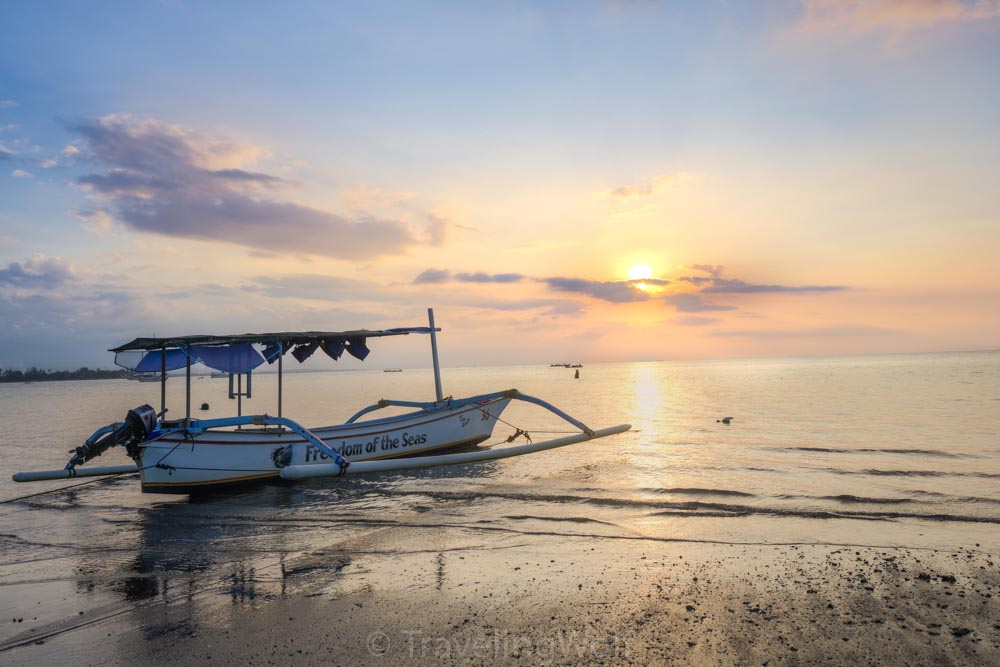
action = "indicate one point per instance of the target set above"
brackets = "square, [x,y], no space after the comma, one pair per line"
[645,188]
[894,15]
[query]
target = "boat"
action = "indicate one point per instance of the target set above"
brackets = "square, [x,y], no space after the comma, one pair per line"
[188,455]
[219,374]
[144,377]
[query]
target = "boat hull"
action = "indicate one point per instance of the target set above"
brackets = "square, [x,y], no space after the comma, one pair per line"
[215,460]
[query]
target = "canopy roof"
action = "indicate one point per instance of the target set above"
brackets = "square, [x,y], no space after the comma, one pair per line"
[236,353]
[285,338]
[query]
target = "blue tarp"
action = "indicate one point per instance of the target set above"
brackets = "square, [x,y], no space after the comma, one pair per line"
[151,362]
[238,358]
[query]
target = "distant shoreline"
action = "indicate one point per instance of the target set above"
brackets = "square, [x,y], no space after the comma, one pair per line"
[38,375]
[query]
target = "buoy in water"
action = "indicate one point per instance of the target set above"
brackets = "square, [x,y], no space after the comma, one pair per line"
[724,420]
[204,406]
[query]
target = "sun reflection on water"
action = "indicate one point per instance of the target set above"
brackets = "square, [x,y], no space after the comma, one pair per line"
[652,395]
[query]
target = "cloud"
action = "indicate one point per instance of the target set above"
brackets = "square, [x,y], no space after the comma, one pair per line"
[692,303]
[631,291]
[819,332]
[67,328]
[165,179]
[859,16]
[714,270]
[432,276]
[97,221]
[696,321]
[714,283]
[436,229]
[481,277]
[5,153]
[621,291]
[734,286]
[435,276]
[38,271]
[646,188]
[20,173]
[8,102]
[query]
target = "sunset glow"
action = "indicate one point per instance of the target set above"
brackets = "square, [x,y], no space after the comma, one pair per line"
[640,272]
[733,181]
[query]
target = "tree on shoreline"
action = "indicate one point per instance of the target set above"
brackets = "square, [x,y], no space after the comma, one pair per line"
[34,374]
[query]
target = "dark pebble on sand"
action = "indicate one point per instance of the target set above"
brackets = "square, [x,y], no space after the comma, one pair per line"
[960,632]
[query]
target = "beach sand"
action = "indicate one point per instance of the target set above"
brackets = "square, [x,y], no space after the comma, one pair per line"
[530,592]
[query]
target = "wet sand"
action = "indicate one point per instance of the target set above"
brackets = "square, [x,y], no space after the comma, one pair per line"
[848,516]
[540,595]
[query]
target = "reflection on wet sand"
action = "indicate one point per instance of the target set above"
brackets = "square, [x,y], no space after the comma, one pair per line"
[251,547]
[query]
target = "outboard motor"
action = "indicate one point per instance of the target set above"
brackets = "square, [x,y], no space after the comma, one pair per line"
[137,427]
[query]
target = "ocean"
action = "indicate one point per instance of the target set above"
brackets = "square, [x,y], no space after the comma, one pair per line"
[894,451]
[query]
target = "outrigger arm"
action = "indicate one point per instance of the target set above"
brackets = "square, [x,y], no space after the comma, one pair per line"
[452,403]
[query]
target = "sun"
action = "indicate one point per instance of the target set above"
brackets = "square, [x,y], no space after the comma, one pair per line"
[640,272]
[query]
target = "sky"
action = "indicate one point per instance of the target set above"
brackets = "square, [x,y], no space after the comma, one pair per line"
[561,181]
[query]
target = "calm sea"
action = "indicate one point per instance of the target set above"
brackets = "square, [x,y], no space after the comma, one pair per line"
[900,450]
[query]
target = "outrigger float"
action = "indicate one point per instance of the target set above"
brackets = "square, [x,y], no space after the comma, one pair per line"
[194,455]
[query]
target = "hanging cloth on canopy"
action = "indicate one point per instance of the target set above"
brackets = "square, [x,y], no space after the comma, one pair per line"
[152,361]
[303,351]
[334,347]
[236,358]
[356,348]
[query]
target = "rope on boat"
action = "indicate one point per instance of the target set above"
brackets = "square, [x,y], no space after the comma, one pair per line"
[518,431]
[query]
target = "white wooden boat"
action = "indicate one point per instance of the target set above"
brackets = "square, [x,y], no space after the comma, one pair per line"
[193,455]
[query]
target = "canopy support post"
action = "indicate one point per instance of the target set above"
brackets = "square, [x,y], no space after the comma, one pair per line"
[187,391]
[163,381]
[434,356]
[281,354]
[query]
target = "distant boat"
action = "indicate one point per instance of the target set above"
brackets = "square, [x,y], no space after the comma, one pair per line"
[218,374]
[392,370]
[144,377]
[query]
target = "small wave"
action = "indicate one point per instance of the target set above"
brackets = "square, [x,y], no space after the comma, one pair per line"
[847,498]
[706,509]
[874,450]
[714,510]
[699,492]
[569,519]
[977,499]
[911,473]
